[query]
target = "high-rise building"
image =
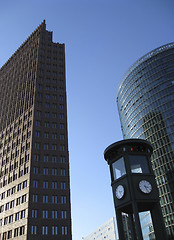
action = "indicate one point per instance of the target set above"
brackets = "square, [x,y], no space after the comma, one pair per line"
[105,231]
[145,102]
[34,161]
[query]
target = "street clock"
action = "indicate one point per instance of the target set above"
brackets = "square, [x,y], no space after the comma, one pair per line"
[134,186]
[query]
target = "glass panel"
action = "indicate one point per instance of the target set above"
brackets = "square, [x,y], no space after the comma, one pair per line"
[138,164]
[118,168]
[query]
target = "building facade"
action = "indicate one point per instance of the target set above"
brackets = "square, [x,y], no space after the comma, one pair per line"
[106,231]
[145,102]
[34,160]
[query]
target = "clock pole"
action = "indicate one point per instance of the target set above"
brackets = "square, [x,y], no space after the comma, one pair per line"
[134,188]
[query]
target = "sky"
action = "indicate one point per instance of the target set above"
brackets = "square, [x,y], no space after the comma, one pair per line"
[103,38]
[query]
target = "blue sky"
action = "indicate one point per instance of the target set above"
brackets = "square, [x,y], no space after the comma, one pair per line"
[103,38]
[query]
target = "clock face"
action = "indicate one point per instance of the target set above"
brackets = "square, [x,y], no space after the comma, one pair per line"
[145,186]
[119,191]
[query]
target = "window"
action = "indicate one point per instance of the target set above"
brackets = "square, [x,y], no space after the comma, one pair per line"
[63,185]
[22,230]
[54,136]
[7,206]
[33,230]
[37,134]
[24,198]
[35,183]
[46,125]
[54,214]
[47,96]
[62,172]
[54,97]
[138,164]
[36,157]
[54,185]
[62,137]
[17,216]
[45,214]
[22,214]
[1,208]
[35,198]
[9,234]
[54,115]
[45,171]
[35,170]
[61,98]
[46,135]
[47,105]
[34,213]
[45,198]
[62,159]
[54,171]
[16,232]
[61,116]
[63,199]
[54,199]
[12,204]
[18,201]
[54,125]
[54,159]
[44,230]
[54,105]
[8,192]
[36,145]
[62,147]
[54,230]
[10,219]
[61,106]
[38,113]
[63,214]
[46,146]
[61,125]
[38,123]
[45,158]
[19,187]
[54,146]
[64,230]
[118,168]
[45,184]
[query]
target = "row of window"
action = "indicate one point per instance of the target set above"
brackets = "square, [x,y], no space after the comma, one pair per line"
[47,158]
[12,190]
[53,171]
[49,88]
[45,199]
[45,230]
[54,214]
[54,105]
[46,146]
[17,232]
[11,204]
[47,135]
[48,114]
[50,96]
[54,125]
[45,185]
[14,217]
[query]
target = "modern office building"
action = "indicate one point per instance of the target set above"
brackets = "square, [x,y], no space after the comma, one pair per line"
[34,161]
[145,102]
[106,231]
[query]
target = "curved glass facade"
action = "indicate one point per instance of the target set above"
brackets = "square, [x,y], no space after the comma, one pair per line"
[145,102]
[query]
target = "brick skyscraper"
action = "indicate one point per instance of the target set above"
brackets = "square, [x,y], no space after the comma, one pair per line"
[34,161]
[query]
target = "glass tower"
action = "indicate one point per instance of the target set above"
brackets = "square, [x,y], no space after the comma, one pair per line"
[145,101]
